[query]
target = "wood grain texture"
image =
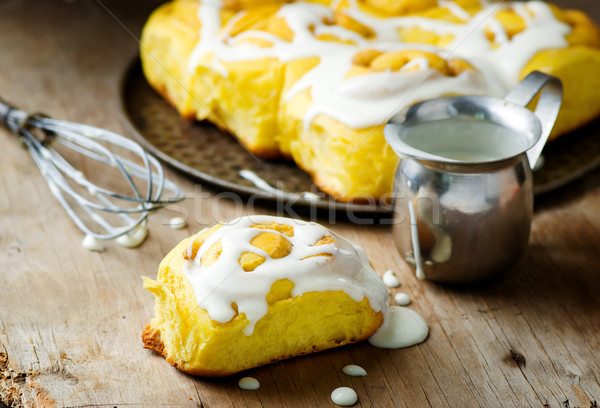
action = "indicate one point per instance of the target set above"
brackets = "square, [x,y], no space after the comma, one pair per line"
[70,320]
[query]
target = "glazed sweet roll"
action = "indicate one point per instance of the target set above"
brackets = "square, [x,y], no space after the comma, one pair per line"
[260,289]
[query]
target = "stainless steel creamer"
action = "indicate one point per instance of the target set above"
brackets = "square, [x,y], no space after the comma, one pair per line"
[463,196]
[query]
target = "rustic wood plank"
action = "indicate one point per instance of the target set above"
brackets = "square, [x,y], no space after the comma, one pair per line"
[70,321]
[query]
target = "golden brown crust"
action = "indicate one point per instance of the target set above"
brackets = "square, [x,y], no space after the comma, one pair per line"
[264,153]
[368,332]
[151,339]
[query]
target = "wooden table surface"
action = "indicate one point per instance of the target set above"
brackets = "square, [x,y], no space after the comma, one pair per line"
[70,320]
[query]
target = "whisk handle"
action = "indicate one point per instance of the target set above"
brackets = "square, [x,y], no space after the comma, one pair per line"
[5,110]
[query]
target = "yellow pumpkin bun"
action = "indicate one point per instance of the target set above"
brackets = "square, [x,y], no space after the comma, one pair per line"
[259,289]
[316,81]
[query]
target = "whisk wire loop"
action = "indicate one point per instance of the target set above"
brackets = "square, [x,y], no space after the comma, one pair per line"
[40,133]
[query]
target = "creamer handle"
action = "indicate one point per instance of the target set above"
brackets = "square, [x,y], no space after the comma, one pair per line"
[414,235]
[547,107]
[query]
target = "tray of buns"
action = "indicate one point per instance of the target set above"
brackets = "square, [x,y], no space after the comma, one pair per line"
[314,82]
[203,151]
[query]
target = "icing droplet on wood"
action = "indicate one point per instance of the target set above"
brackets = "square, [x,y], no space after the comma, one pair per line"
[344,396]
[177,223]
[354,371]
[249,383]
[134,238]
[92,244]
[402,299]
[390,280]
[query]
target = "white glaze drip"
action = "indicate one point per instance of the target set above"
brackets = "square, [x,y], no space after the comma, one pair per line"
[368,100]
[402,328]
[177,223]
[210,19]
[263,185]
[92,244]
[258,181]
[354,371]
[402,299]
[307,195]
[224,282]
[190,247]
[390,280]
[344,396]
[249,384]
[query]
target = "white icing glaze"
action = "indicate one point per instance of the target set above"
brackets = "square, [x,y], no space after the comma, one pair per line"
[258,181]
[506,62]
[92,244]
[135,238]
[354,371]
[402,328]
[263,185]
[190,247]
[224,282]
[455,9]
[344,396]
[368,100]
[249,383]
[210,18]
[177,223]
[500,35]
[402,299]
[307,195]
[390,280]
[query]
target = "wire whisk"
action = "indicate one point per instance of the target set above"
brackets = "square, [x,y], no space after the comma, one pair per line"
[97,211]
